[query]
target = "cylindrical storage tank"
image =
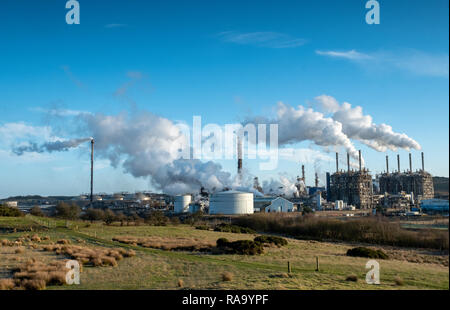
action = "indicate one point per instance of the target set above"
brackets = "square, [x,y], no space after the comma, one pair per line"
[231,202]
[181,204]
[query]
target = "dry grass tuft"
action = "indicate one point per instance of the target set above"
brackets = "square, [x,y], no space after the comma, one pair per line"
[166,243]
[33,285]
[399,281]
[227,276]
[19,250]
[352,278]
[7,284]
[35,238]
[180,283]
[63,241]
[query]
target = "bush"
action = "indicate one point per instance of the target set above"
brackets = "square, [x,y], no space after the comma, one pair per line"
[36,211]
[222,242]
[278,241]
[223,227]
[242,247]
[156,218]
[352,278]
[10,211]
[180,283]
[363,230]
[366,252]
[68,212]
[92,215]
[202,227]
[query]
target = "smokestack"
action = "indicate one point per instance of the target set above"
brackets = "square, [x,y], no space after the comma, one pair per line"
[92,169]
[316,180]
[239,153]
[337,162]
[303,173]
[398,162]
[410,163]
[359,155]
[387,164]
[423,163]
[348,162]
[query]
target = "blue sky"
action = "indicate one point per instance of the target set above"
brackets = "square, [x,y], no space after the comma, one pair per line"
[222,60]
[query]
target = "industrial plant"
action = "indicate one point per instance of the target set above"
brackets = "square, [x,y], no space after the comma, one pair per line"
[346,190]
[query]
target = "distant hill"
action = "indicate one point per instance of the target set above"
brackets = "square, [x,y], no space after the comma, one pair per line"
[441,186]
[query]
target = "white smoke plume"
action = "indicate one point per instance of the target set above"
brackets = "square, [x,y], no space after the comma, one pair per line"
[301,124]
[57,146]
[282,187]
[360,127]
[147,145]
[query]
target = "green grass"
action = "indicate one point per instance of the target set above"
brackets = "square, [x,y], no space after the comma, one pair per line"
[158,269]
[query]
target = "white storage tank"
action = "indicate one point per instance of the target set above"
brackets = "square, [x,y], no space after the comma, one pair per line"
[181,204]
[231,202]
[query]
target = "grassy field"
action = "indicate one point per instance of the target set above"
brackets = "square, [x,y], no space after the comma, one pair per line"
[159,269]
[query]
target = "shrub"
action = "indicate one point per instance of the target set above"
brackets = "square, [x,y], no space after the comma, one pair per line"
[223,227]
[92,215]
[352,278]
[399,281]
[278,241]
[66,211]
[202,227]
[222,242]
[227,276]
[19,250]
[364,230]
[242,247]
[36,211]
[156,218]
[366,252]
[10,211]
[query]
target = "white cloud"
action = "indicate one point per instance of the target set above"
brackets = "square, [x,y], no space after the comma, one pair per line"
[59,112]
[262,39]
[412,61]
[352,55]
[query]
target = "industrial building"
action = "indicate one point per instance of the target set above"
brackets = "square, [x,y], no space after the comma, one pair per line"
[419,183]
[231,202]
[352,187]
[273,204]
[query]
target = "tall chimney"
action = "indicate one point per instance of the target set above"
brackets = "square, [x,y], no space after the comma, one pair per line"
[398,162]
[239,155]
[92,169]
[423,163]
[316,180]
[348,161]
[410,163]
[387,164]
[359,155]
[303,174]
[337,162]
